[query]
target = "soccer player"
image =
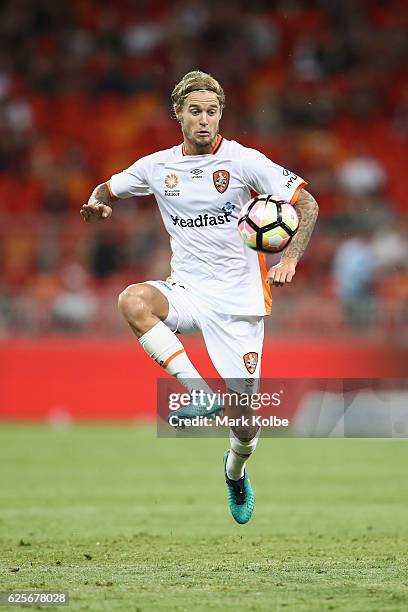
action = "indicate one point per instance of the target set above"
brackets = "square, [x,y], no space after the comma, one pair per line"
[217,285]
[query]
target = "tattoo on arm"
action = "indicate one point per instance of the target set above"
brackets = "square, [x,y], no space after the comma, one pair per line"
[101,195]
[307,211]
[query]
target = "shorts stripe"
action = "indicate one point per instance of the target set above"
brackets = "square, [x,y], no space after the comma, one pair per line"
[265,285]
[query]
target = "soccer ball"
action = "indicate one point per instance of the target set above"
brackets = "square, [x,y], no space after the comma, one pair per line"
[267,224]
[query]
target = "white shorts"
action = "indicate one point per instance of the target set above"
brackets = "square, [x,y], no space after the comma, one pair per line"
[234,342]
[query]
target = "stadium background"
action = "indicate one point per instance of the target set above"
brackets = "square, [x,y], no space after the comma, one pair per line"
[318,86]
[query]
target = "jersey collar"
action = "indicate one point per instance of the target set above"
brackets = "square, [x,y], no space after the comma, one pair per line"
[217,144]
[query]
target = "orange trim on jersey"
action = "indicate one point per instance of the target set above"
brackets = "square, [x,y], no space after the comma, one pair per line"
[265,285]
[169,278]
[296,194]
[166,363]
[109,189]
[217,144]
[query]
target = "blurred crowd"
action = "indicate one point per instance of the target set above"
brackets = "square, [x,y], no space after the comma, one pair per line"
[319,86]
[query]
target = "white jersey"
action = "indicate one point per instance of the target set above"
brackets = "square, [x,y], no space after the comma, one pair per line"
[200,197]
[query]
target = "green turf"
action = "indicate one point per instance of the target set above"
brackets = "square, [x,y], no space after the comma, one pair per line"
[126,521]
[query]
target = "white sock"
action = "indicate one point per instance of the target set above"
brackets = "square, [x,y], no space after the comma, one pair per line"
[239,455]
[164,347]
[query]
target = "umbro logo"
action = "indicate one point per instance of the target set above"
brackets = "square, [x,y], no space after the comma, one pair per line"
[196,173]
[228,207]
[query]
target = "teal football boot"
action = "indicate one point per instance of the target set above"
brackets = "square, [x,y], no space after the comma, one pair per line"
[241,496]
[177,418]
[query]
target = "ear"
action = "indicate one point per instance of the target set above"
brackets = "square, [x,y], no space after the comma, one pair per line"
[176,113]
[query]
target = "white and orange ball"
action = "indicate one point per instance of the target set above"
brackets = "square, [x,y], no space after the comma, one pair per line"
[267,223]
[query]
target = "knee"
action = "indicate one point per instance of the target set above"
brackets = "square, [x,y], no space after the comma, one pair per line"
[245,433]
[134,301]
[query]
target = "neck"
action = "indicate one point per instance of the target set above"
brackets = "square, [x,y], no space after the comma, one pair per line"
[191,148]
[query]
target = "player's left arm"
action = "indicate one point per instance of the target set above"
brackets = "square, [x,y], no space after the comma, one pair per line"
[307,210]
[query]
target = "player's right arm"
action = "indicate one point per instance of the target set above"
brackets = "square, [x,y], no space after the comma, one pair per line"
[99,205]
[131,182]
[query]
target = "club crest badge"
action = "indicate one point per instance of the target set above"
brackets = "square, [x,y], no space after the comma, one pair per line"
[251,361]
[221,180]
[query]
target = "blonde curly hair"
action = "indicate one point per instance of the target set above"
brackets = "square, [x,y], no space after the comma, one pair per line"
[195,81]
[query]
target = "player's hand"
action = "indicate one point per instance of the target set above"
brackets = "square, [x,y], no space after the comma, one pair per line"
[95,211]
[282,272]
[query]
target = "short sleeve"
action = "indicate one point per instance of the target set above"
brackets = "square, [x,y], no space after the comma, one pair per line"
[130,182]
[264,176]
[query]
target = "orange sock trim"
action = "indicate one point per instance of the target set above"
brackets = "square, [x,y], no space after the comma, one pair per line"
[166,363]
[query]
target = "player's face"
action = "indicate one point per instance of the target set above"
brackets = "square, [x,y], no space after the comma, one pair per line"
[199,119]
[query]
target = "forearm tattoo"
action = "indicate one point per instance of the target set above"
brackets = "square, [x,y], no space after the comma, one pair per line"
[307,211]
[101,195]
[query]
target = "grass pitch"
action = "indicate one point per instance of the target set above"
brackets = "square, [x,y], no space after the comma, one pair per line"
[125,521]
